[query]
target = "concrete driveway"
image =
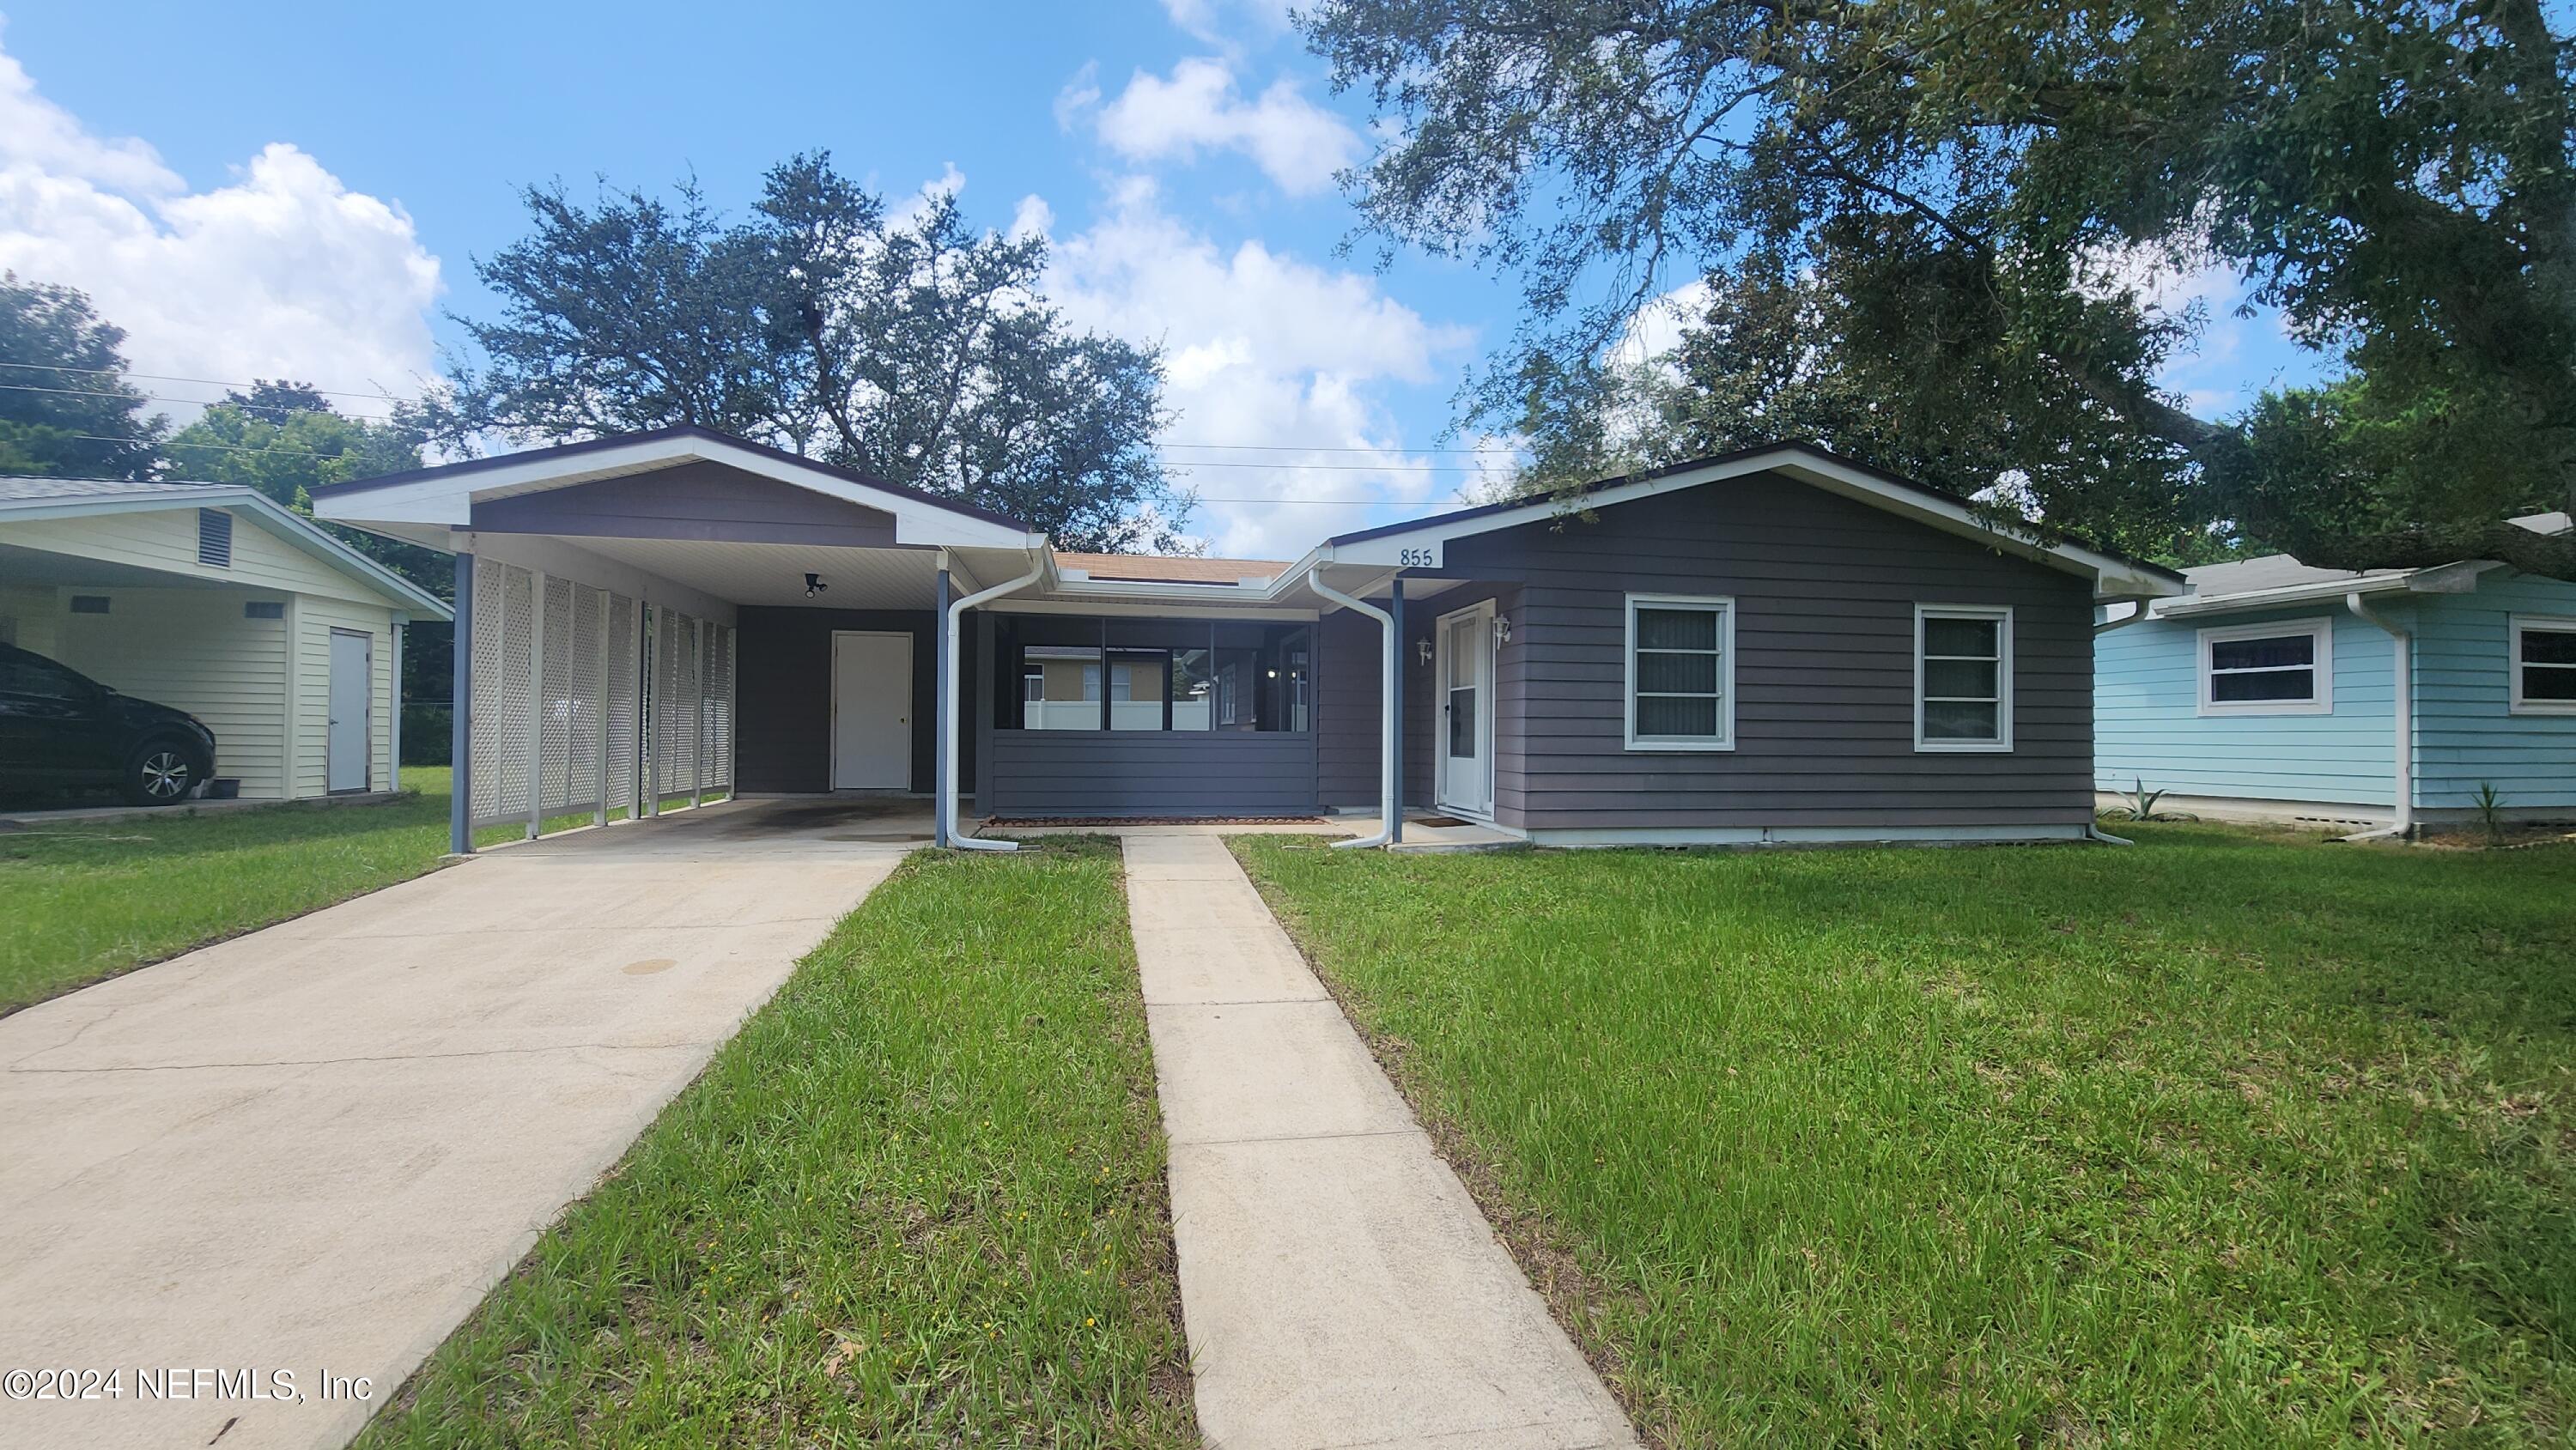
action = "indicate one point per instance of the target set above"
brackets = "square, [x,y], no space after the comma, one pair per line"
[311,1150]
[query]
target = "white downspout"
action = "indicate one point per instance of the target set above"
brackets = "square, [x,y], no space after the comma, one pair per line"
[2401,682]
[1386,712]
[946,805]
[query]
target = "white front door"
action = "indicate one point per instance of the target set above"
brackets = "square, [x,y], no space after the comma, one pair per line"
[353,658]
[871,710]
[1465,680]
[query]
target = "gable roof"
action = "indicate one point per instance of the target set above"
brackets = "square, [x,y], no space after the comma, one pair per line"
[30,499]
[444,493]
[2115,575]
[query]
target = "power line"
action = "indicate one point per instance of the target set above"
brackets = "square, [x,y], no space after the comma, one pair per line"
[1489,451]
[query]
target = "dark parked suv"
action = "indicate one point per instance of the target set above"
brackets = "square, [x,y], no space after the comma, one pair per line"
[59,728]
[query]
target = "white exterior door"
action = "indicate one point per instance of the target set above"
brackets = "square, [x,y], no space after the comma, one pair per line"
[1465,665]
[871,711]
[353,658]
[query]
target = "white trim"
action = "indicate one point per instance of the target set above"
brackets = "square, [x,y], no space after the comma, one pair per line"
[2002,616]
[1482,809]
[2522,704]
[2321,701]
[1721,605]
[1606,836]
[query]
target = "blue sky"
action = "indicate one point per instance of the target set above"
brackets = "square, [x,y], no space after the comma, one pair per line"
[260,190]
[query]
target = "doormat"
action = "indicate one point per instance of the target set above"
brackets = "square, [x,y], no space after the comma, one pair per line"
[1438,821]
[1008,822]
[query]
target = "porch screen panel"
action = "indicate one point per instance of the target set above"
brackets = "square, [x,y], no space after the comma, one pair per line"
[675,702]
[504,705]
[555,702]
[624,704]
[582,721]
[718,711]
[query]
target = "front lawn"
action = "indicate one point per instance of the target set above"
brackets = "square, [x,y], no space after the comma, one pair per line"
[2228,1138]
[86,900]
[917,1201]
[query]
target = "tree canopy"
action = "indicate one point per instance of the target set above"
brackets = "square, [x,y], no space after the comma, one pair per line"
[910,347]
[65,407]
[1923,230]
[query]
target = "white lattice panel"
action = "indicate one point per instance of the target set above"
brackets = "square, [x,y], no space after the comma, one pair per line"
[685,702]
[554,707]
[719,708]
[585,722]
[490,579]
[625,712]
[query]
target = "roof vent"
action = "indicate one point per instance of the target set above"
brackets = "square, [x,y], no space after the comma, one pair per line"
[215,538]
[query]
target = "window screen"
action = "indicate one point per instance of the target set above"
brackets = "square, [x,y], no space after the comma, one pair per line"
[1677,671]
[1962,675]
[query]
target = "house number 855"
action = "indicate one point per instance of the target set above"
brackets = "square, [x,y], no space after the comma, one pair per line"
[1416,558]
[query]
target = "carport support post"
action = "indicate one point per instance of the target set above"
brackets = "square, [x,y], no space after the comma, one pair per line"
[653,721]
[939,746]
[460,715]
[1395,705]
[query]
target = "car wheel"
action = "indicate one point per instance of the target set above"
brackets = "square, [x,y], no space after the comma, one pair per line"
[161,774]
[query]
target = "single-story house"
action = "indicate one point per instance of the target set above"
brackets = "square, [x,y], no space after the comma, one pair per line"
[2385,699]
[217,600]
[1778,644]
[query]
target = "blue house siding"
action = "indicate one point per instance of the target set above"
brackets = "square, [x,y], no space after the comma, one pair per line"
[2148,725]
[2465,730]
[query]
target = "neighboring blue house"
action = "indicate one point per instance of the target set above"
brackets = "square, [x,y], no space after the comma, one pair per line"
[2383,699]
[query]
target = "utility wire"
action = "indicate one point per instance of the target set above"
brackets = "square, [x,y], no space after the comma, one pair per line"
[1496,450]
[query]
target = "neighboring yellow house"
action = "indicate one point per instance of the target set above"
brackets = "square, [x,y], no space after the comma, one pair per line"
[214,599]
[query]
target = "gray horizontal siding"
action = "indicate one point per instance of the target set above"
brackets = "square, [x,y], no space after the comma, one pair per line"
[703,501]
[1148,773]
[1825,590]
[783,695]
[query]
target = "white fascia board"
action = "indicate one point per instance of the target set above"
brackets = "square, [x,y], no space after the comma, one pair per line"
[2461,578]
[450,500]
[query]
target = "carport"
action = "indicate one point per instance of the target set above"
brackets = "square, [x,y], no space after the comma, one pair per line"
[665,617]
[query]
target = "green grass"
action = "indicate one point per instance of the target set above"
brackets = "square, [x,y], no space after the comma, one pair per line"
[917,1201]
[86,900]
[2226,1139]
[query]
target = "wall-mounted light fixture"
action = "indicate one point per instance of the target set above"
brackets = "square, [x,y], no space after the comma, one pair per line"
[814,585]
[1422,650]
[1502,629]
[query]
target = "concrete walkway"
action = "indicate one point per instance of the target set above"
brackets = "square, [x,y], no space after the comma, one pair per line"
[1338,1286]
[314,1148]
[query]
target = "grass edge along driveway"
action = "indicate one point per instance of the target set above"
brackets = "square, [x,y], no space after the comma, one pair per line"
[917,1200]
[2229,1138]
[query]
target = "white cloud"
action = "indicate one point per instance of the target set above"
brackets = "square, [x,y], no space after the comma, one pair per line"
[1207,19]
[1262,349]
[284,272]
[1297,143]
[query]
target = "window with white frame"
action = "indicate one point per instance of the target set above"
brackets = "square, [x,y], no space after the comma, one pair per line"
[2544,665]
[1681,672]
[1962,677]
[2282,668]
